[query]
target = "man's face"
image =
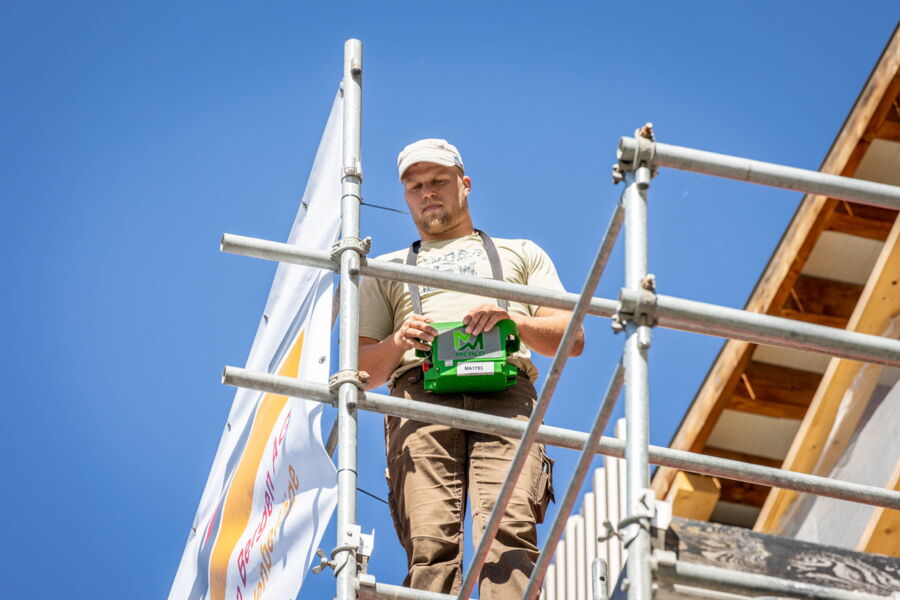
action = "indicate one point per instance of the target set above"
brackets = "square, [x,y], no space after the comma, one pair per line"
[437,198]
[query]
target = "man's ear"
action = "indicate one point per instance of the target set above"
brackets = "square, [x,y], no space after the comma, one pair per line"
[467,184]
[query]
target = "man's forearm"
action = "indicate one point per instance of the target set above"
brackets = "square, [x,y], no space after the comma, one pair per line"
[544,333]
[379,359]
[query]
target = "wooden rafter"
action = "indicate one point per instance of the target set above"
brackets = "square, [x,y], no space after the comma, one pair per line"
[774,391]
[873,229]
[889,130]
[882,535]
[741,492]
[821,301]
[880,301]
[742,456]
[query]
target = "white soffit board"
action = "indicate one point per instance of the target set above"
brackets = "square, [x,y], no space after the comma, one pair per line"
[881,163]
[842,257]
[759,435]
[794,359]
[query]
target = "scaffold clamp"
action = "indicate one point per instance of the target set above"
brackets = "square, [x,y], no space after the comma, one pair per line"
[359,544]
[644,153]
[355,244]
[357,378]
[636,306]
[353,171]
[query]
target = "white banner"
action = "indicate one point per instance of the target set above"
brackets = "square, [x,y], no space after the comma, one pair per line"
[272,487]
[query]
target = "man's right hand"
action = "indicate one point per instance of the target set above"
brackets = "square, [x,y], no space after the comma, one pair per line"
[415,333]
[379,358]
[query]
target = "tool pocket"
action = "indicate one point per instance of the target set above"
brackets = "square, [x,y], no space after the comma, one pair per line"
[544,490]
[395,516]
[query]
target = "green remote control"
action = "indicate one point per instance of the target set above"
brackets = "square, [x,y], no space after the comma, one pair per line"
[460,362]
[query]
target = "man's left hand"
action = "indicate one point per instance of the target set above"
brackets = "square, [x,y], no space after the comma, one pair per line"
[483,318]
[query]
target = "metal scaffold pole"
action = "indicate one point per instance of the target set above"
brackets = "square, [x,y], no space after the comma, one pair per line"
[637,389]
[351,179]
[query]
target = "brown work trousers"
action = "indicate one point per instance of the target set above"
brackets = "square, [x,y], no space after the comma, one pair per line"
[430,469]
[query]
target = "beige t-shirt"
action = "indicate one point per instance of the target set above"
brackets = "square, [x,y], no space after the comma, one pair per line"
[384,304]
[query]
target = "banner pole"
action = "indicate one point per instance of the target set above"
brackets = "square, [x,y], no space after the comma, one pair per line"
[351,180]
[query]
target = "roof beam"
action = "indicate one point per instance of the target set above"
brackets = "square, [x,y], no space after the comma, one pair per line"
[882,535]
[889,130]
[740,492]
[693,496]
[883,125]
[742,456]
[774,391]
[873,229]
[821,301]
[879,302]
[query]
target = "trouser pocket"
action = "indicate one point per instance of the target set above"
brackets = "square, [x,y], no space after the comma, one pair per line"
[395,515]
[544,490]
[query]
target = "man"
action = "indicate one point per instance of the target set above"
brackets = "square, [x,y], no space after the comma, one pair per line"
[432,467]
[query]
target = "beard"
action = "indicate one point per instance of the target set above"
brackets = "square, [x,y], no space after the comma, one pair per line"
[439,221]
[436,224]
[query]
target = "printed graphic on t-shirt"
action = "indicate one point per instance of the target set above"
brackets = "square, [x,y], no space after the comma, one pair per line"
[463,261]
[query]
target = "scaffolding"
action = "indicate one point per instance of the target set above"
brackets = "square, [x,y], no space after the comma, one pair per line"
[638,309]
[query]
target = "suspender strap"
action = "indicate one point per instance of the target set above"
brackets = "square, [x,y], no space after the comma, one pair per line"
[493,259]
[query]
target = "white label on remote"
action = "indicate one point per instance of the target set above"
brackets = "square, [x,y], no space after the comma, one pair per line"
[475,368]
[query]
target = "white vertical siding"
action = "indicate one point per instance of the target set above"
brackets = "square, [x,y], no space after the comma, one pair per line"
[569,577]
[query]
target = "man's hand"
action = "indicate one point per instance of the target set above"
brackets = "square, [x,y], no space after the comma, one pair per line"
[415,333]
[542,332]
[483,318]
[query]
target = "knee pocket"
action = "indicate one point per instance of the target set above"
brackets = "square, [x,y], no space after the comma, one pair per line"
[429,550]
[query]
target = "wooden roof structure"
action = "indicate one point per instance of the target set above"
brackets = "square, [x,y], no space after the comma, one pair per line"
[838,264]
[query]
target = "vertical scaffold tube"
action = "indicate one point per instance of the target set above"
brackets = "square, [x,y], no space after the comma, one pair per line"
[637,389]
[349,320]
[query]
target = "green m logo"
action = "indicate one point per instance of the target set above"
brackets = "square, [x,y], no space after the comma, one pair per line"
[464,341]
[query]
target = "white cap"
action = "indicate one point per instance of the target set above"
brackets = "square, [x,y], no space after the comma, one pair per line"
[430,150]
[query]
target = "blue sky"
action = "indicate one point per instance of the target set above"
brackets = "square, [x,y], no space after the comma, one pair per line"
[135,134]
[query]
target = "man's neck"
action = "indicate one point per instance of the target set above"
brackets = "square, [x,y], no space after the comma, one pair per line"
[456,232]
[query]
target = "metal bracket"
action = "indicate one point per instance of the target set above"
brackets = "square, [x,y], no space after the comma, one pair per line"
[354,171]
[364,552]
[646,512]
[357,378]
[644,154]
[638,307]
[356,543]
[645,517]
[323,562]
[357,245]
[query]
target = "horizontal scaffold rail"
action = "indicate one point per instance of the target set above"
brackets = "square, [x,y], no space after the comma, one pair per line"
[376,590]
[669,311]
[765,173]
[567,438]
[731,581]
